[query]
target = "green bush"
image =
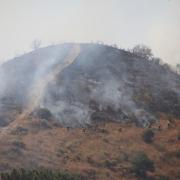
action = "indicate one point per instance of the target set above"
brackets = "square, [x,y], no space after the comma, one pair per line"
[141,164]
[39,174]
[148,136]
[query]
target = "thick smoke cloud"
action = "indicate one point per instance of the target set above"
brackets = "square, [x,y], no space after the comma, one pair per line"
[72,97]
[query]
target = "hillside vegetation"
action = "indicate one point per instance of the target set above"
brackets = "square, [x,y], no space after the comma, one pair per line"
[89,111]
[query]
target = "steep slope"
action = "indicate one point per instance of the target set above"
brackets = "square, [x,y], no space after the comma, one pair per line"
[101,84]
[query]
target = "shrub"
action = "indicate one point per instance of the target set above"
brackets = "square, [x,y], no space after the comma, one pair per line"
[19,144]
[109,164]
[141,164]
[44,113]
[20,131]
[178,137]
[148,136]
[90,160]
[39,174]
[162,177]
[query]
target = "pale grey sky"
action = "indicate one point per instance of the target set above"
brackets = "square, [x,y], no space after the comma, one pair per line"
[155,23]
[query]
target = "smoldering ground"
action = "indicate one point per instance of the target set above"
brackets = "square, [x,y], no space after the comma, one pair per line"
[101,83]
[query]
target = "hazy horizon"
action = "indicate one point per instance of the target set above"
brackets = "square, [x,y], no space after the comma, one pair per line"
[155,23]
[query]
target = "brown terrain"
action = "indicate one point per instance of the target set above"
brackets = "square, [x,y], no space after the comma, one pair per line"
[104,151]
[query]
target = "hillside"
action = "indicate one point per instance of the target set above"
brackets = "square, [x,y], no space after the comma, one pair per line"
[98,83]
[87,109]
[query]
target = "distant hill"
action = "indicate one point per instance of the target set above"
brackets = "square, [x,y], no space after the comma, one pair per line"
[80,84]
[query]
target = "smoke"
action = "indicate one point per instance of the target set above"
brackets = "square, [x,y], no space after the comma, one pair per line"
[83,83]
[69,96]
[41,82]
[19,77]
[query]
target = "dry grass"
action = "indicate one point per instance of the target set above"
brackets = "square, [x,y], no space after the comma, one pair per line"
[100,154]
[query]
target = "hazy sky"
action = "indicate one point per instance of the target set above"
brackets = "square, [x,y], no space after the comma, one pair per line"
[155,23]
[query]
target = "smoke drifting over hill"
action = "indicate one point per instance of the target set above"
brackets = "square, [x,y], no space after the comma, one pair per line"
[82,84]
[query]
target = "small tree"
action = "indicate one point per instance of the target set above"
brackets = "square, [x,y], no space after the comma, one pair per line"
[148,136]
[141,164]
[36,44]
[142,51]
